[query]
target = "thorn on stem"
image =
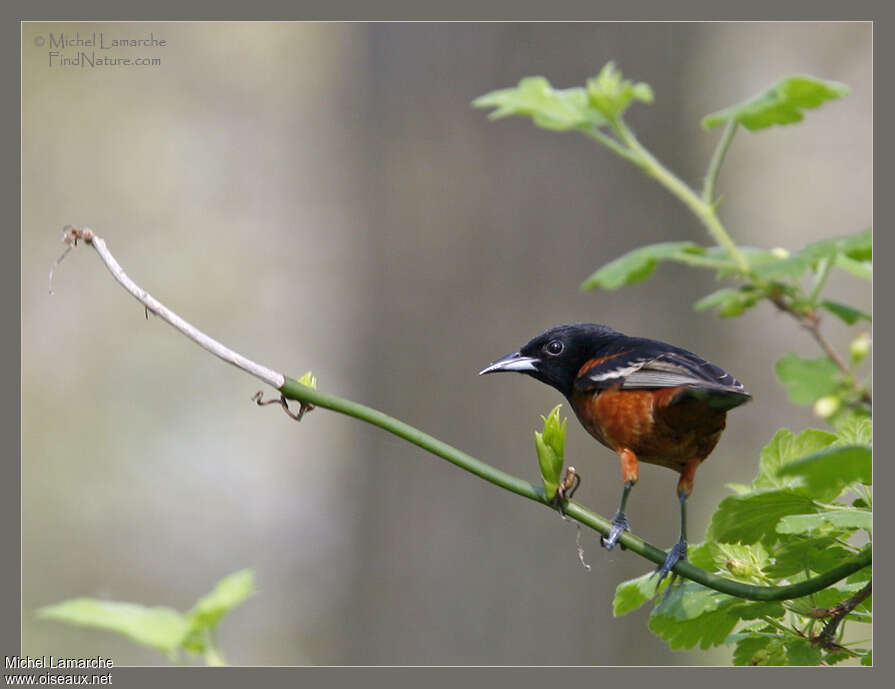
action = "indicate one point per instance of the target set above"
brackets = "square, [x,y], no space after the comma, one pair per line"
[258,398]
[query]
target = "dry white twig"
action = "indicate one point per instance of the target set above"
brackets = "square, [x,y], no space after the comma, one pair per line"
[72,235]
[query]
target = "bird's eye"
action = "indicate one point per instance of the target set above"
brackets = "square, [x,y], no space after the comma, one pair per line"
[555,348]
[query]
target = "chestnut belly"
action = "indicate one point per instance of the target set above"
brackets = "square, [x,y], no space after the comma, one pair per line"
[646,422]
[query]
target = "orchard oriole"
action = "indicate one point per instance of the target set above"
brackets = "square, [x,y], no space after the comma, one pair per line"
[646,400]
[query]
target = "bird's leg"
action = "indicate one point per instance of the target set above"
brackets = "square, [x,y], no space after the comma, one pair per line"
[678,551]
[619,521]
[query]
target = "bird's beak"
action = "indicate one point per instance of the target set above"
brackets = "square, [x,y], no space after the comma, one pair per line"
[512,362]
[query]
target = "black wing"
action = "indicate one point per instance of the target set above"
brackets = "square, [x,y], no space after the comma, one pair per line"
[652,365]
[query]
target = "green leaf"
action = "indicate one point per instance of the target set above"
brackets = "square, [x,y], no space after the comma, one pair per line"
[801,652]
[690,614]
[847,313]
[753,518]
[612,95]
[798,554]
[729,302]
[827,598]
[707,630]
[550,446]
[855,431]
[744,562]
[638,265]
[760,649]
[226,595]
[834,595]
[792,268]
[554,109]
[828,472]
[862,575]
[309,379]
[158,627]
[858,246]
[752,650]
[781,104]
[786,447]
[807,380]
[757,610]
[702,555]
[840,519]
[861,269]
[631,594]
[850,252]
[691,600]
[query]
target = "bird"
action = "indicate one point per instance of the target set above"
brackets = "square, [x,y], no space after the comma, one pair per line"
[646,400]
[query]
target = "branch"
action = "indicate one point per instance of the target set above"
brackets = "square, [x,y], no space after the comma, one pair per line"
[708,190]
[71,235]
[703,210]
[839,612]
[811,322]
[292,389]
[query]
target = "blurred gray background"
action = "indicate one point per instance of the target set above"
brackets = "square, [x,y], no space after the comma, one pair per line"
[322,196]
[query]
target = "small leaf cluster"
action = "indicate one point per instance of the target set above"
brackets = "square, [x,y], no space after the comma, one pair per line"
[159,627]
[550,445]
[775,274]
[602,101]
[309,379]
[606,97]
[808,509]
[794,280]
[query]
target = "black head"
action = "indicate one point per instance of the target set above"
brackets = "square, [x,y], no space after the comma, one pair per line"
[556,355]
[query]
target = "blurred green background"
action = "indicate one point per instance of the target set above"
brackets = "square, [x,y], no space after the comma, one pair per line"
[322,196]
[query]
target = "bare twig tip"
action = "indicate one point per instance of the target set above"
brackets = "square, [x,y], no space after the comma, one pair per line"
[70,236]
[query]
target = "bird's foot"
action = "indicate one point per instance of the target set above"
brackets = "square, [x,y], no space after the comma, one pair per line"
[677,553]
[619,526]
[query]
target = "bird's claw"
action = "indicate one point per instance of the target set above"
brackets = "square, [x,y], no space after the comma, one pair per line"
[677,553]
[619,526]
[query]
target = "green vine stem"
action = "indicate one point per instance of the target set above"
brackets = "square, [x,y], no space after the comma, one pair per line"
[294,390]
[311,397]
[708,189]
[633,151]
